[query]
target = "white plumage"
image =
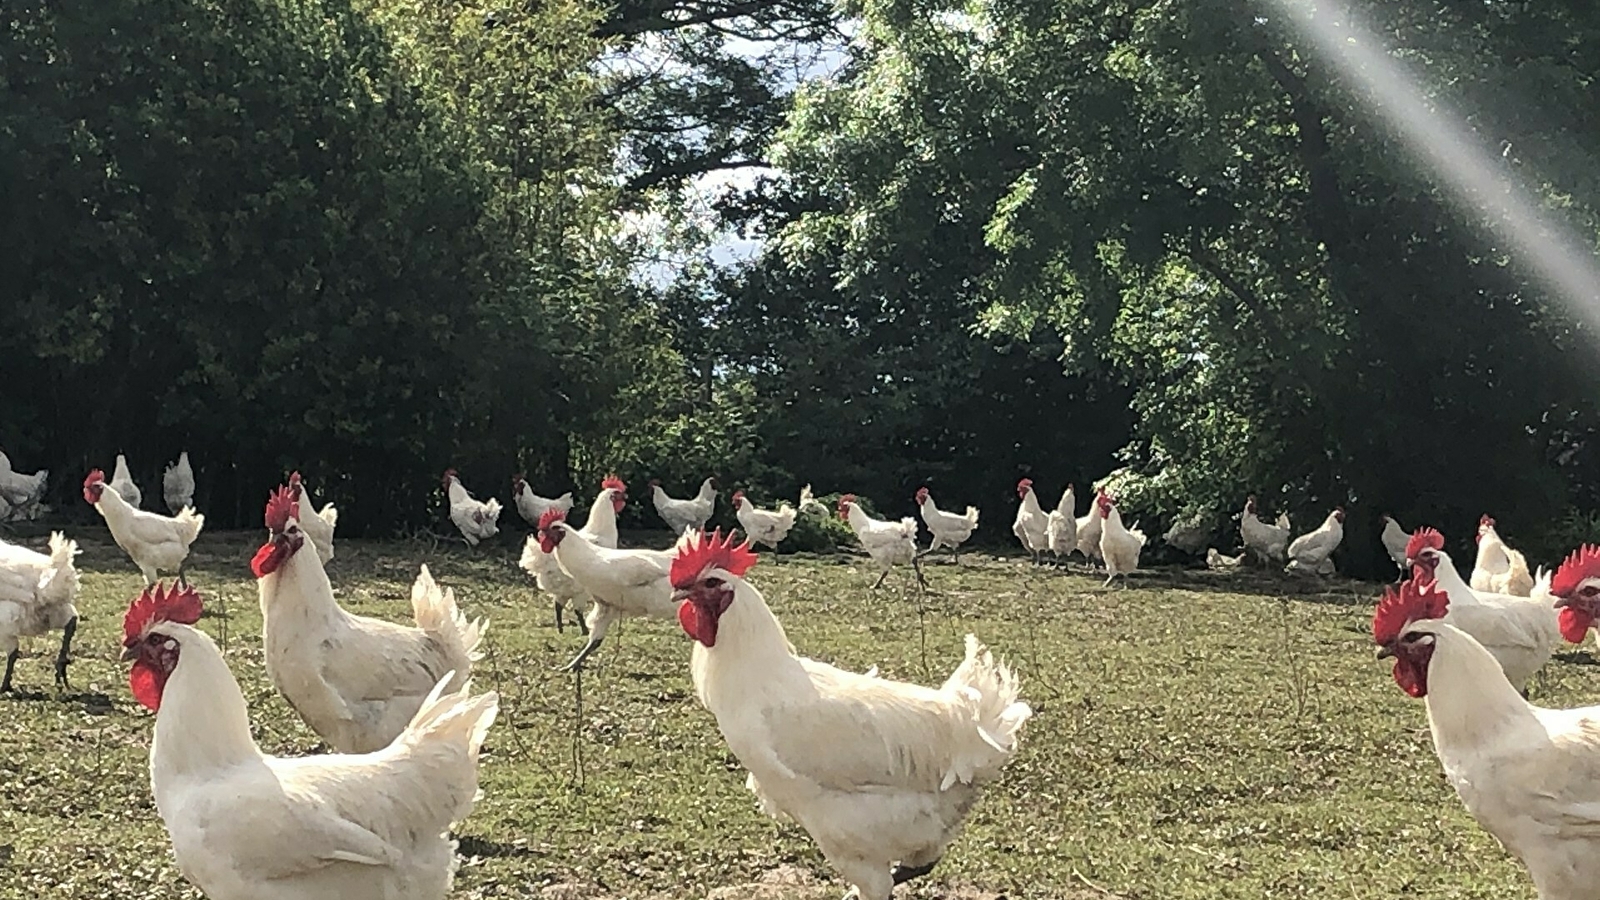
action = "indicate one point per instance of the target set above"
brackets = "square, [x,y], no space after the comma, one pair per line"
[763,526]
[1529,775]
[354,680]
[600,529]
[1313,552]
[37,591]
[882,774]
[621,583]
[685,515]
[948,529]
[317,525]
[1119,546]
[1394,540]
[122,483]
[177,484]
[19,491]
[1269,543]
[477,520]
[1031,526]
[246,826]
[155,543]
[1499,568]
[887,543]
[531,506]
[1061,529]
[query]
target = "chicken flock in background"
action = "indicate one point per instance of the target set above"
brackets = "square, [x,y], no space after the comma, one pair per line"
[880,773]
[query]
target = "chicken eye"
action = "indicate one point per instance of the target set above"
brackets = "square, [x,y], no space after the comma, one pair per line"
[714,582]
[154,639]
[1589,590]
[1411,637]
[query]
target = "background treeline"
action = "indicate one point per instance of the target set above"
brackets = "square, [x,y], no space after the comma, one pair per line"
[1043,237]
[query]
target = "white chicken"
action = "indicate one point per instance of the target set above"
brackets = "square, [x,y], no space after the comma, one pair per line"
[1529,775]
[880,773]
[246,826]
[531,506]
[177,484]
[318,526]
[764,526]
[1269,543]
[36,596]
[1061,528]
[600,528]
[810,502]
[122,483]
[1119,545]
[355,681]
[1089,528]
[620,583]
[1395,540]
[1216,561]
[1031,526]
[685,515]
[1499,568]
[20,491]
[155,543]
[1313,551]
[1190,535]
[887,543]
[1520,632]
[948,528]
[478,520]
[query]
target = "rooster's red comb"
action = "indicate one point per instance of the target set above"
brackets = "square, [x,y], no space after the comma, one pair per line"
[1582,564]
[157,604]
[95,476]
[613,483]
[1485,521]
[280,507]
[550,517]
[846,498]
[1424,539]
[713,551]
[1411,603]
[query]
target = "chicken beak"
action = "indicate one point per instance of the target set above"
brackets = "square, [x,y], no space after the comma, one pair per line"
[1561,603]
[128,655]
[681,595]
[1385,652]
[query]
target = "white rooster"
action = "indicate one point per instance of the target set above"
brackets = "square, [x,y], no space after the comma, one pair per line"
[1119,545]
[177,484]
[1499,568]
[355,681]
[154,542]
[531,506]
[888,543]
[1529,775]
[880,773]
[685,515]
[477,520]
[317,525]
[1061,529]
[764,526]
[1394,540]
[36,596]
[600,529]
[948,529]
[1269,543]
[621,583]
[1575,589]
[122,483]
[1520,632]
[1313,551]
[247,826]
[1031,526]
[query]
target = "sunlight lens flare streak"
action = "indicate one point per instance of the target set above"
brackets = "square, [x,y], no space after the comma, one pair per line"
[1456,157]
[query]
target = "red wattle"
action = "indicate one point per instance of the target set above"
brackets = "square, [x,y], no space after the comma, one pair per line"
[1574,624]
[267,559]
[147,682]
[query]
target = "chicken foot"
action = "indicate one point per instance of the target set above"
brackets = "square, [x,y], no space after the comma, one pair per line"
[903,873]
[67,631]
[601,618]
[11,663]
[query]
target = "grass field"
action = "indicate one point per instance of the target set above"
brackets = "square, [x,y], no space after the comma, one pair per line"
[1197,735]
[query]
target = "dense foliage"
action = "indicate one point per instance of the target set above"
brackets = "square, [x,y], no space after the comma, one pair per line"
[1001,238]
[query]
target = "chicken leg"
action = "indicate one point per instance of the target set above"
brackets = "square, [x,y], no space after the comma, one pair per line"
[600,619]
[11,663]
[67,631]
